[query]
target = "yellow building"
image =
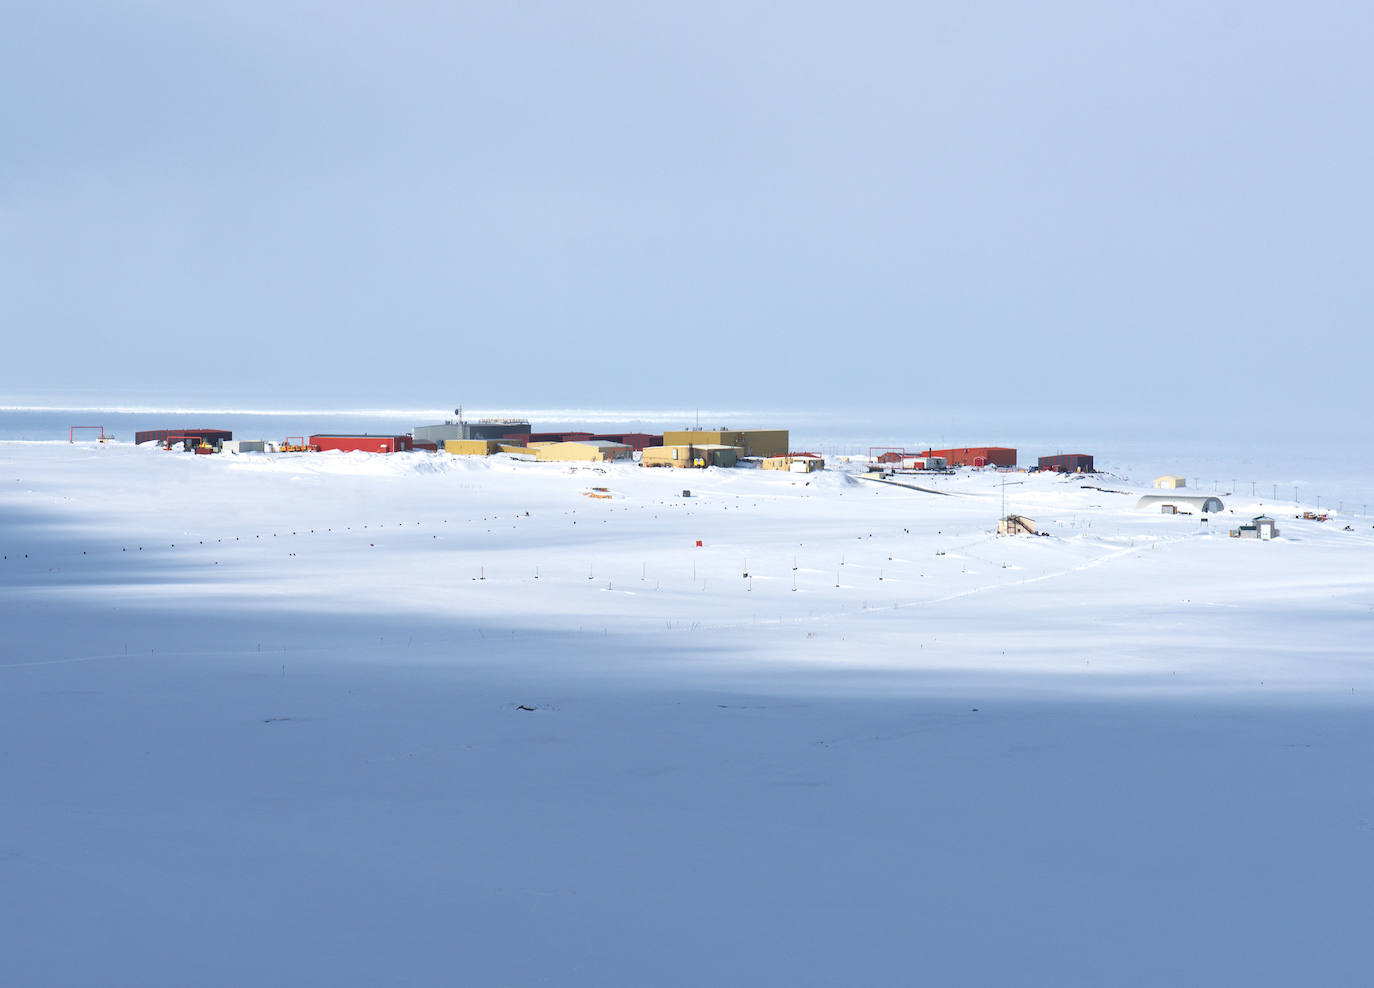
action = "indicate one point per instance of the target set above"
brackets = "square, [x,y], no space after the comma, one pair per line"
[1016,525]
[754,442]
[588,450]
[471,447]
[794,462]
[690,456]
[1170,481]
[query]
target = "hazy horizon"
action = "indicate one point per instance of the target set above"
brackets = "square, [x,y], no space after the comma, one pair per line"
[719,205]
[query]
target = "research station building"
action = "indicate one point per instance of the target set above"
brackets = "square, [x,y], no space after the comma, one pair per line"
[976,456]
[683,457]
[1066,463]
[361,442]
[481,429]
[586,450]
[751,442]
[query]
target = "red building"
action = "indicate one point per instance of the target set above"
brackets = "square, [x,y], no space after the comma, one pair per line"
[362,442]
[557,437]
[169,436]
[976,456]
[637,441]
[1067,463]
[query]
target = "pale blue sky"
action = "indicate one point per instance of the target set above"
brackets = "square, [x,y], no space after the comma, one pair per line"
[653,205]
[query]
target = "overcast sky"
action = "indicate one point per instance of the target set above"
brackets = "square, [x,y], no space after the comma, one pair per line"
[657,205]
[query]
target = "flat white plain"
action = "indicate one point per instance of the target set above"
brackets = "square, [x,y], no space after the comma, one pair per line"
[265,719]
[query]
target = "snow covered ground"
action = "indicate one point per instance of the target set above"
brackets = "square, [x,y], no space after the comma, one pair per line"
[264,720]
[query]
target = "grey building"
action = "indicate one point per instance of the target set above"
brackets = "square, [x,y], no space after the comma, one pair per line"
[481,429]
[1261,527]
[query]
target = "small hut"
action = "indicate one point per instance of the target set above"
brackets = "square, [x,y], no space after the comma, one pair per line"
[1016,525]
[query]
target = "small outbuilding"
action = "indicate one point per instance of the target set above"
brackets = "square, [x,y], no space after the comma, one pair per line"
[795,462]
[1016,525]
[911,461]
[243,446]
[1179,503]
[1261,527]
[1171,481]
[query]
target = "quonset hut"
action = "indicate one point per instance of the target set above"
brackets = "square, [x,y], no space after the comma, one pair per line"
[1178,502]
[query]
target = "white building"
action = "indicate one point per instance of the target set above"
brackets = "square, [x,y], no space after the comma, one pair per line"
[1261,527]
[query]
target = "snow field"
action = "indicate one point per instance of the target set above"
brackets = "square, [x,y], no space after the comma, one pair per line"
[262,718]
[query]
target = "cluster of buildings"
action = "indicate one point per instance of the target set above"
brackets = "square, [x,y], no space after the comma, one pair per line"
[889,457]
[683,448]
